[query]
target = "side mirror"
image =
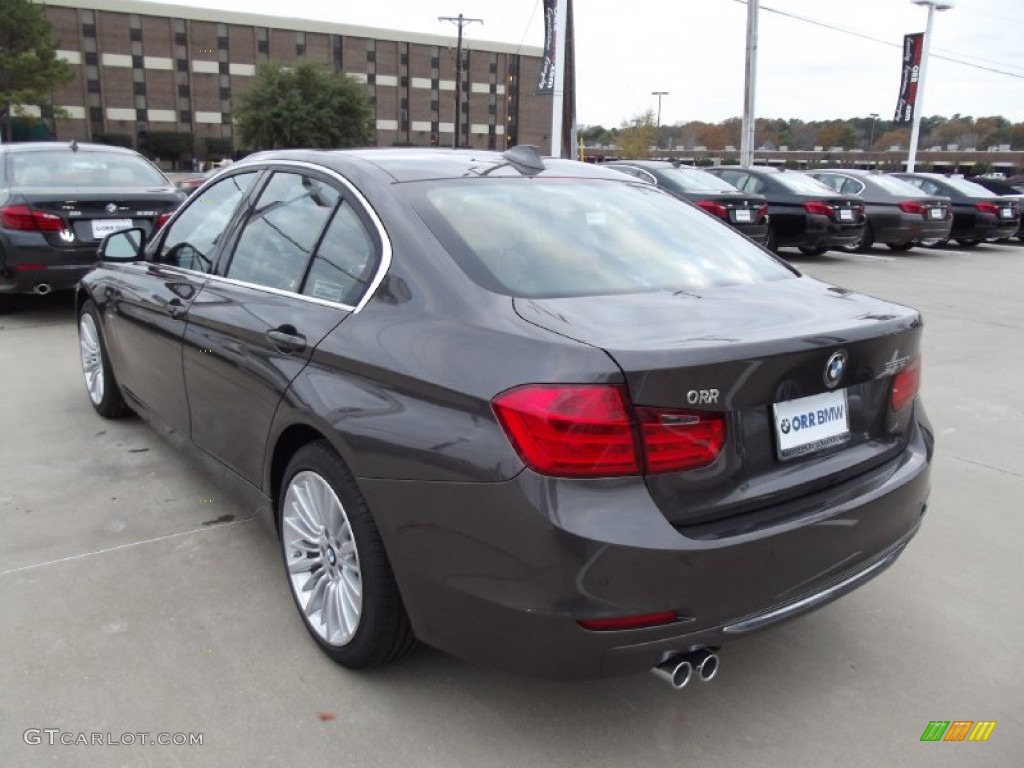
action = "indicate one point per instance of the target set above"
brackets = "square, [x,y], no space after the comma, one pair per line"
[124,245]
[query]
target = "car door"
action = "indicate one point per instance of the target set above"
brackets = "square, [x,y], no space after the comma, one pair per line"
[149,300]
[254,326]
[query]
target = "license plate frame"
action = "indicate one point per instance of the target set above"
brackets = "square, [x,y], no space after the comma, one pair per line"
[936,214]
[809,425]
[742,216]
[1006,213]
[846,214]
[103,227]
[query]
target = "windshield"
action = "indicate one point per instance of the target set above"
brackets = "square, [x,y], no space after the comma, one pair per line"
[693,180]
[969,188]
[805,185]
[541,238]
[896,186]
[64,168]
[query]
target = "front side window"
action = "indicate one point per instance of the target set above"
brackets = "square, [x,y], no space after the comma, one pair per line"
[193,238]
[278,240]
[542,238]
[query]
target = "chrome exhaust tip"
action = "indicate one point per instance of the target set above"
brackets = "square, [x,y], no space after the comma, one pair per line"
[42,289]
[706,663]
[676,671]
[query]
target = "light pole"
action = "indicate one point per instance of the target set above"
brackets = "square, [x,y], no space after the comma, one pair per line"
[749,129]
[460,21]
[915,131]
[871,141]
[659,94]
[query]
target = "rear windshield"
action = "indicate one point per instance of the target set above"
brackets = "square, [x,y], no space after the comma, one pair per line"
[64,168]
[805,185]
[543,238]
[968,187]
[896,186]
[692,180]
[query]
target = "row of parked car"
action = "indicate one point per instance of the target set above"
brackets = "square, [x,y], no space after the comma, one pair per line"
[845,208]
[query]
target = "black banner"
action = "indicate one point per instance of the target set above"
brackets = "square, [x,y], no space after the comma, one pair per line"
[546,81]
[912,46]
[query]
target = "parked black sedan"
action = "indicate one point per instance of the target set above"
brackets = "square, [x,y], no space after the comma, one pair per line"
[747,213]
[899,214]
[1008,190]
[528,411]
[978,214]
[58,201]
[803,213]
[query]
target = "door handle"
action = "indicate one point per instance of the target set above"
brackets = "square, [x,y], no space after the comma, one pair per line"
[287,339]
[176,308]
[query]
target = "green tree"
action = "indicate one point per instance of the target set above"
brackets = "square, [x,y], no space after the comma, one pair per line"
[29,67]
[303,106]
[637,136]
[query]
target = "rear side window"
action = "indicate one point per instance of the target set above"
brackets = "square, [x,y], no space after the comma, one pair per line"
[569,237]
[85,168]
[345,261]
[277,242]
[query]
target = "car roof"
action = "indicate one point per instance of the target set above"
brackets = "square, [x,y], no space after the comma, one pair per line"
[753,169]
[652,164]
[405,164]
[60,146]
[850,171]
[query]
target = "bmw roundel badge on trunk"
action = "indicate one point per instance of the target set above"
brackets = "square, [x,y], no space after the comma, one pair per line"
[834,369]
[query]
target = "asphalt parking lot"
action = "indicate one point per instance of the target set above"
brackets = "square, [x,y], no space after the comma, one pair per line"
[137,598]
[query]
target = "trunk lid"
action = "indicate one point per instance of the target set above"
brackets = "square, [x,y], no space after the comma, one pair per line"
[742,351]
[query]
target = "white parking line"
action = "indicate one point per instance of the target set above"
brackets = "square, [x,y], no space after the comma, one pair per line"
[206,529]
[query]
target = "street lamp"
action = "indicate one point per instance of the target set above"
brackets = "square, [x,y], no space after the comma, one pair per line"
[871,141]
[659,94]
[933,6]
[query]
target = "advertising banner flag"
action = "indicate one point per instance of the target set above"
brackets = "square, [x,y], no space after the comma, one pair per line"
[907,103]
[548,62]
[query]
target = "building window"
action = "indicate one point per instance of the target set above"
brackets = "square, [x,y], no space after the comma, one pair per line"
[435,61]
[185,116]
[140,115]
[93,86]
[492,109]
[88,30]
[180,38]
[140,102]
[183,91]
[225,93]
[182,65]
[139,89]
[263,47]
[222,43]
[371,56]
[223,67]
[404,103]
[96,114]
[300,49]
[135,35]
[92,58]
[137,62]
[371,79]
[435,105]
[404,59]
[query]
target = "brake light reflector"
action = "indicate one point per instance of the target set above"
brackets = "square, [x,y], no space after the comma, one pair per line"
[23,218]
[680,440]
[987,207]
[629,622]
[715,209]
[762,212]
[162,219]
[818,208]
[593,431]
[912,206]
[571,431]
[905,385]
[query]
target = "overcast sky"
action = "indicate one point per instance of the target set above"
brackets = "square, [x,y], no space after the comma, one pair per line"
[694,49]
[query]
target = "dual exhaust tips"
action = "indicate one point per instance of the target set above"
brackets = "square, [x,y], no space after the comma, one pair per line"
[677,669]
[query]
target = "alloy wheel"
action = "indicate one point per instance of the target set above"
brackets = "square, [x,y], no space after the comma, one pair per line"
[92,357]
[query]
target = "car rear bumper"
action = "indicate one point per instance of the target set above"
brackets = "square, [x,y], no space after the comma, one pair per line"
[911,227]
[500,573]
[27,261]
[756,232]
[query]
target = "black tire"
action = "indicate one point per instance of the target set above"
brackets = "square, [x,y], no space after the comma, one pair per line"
[382,631]
[967,242]
[901,246]
[772,242]
[815,251]
[106,398]
[866,241]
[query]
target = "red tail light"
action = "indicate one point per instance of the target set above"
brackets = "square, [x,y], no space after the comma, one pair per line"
[630,622]
[987,207]
[162,219]
[818,208]
[715,209]
[762,212]
[905,385]
[912,206]
[24,218]
[593,431]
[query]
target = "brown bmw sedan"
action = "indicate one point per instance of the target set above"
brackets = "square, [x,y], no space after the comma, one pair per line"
[531,412]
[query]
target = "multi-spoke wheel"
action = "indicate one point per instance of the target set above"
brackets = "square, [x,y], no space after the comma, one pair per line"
[337,567]
[104,393]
